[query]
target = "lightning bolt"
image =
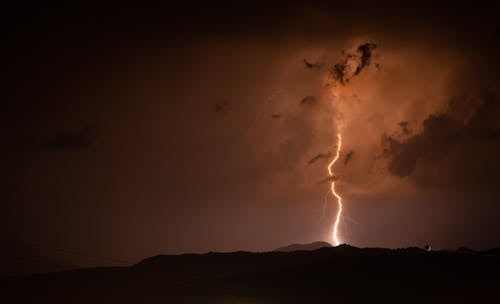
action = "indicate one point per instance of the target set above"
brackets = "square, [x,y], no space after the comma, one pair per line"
[332,188]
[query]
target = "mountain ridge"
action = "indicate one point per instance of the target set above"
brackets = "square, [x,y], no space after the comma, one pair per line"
[323,275]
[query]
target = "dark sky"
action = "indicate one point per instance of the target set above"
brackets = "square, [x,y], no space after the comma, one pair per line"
[137,130]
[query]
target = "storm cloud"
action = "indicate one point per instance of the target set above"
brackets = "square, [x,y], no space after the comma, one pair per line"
[311,65]
[467,140]
[319,156]
[353,63]
[184,98]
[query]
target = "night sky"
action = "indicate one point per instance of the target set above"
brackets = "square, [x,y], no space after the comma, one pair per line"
[137,130]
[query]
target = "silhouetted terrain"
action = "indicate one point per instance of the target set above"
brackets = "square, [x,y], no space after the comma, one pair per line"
[341,274]
[308,247]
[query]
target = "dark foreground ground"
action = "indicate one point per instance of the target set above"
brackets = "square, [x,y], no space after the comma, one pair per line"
[329,275]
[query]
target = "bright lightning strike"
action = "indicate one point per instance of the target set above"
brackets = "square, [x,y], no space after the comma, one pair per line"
[332,187]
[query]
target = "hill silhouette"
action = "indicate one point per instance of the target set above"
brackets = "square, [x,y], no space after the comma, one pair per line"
[305,247]
[493,251]
[344,273]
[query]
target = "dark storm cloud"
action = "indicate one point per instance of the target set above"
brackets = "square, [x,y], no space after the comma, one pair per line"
[366,53]
[311,65]
[353,63]
[440,133]
[319,156]
[338,72]
[80,139]
[275,116]
[404,127]
[308,100]
[348,157]
[446,134]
